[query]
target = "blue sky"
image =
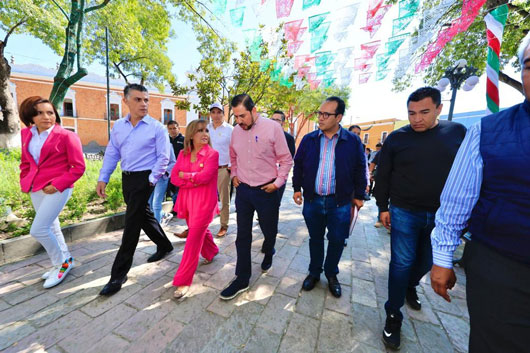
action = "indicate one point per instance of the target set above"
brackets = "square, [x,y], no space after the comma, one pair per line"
[367,102]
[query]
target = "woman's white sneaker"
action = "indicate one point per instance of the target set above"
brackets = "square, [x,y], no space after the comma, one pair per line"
[58,274]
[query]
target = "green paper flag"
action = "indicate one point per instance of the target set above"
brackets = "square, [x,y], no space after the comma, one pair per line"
[324,59]
[382,61]
[284,81]
[394,43]
[328,82]
[408,7]
[237,16]
[400,24]
[381,74]
[275,74]
[264,65]
[316,21]
[219,7]
[319,36]
[308,3]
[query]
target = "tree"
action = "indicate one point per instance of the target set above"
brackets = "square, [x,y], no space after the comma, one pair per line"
[38,18]
[472,44]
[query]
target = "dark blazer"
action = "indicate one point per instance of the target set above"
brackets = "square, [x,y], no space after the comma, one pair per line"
[350,167]
[290,143]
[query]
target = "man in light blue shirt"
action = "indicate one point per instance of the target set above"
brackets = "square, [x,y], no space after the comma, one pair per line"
[142,145]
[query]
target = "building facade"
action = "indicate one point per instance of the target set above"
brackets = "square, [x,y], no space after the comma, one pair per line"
[84,109]
[374,132]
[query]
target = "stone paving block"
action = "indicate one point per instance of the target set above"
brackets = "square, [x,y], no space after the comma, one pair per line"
[110,344]
[439,303]
[335,333]
[262,290]
[24,293]
[359,254]
[432,338]
[311,303]
[426,314]
[262,341]
[14,332]
[341,305]
[148,272]
[191,307]
[218,262]
[381,286]
[277,313]
[300,264]
[4,305]
[20,312]
[61,308]
[222,277]
[104,303]
[362,270]
[367,326]
[96,329]
[345,273]
[304,251]
[220,347]
[7,288]
[363,292]
[51,334]
[144,319]
[195,336]
[458,331]
[301,335]
[150,294]
[18,273]
[225,308]
[287,252]
[291,284]
[462,305]
[358,347]
[279,267]
[235,331]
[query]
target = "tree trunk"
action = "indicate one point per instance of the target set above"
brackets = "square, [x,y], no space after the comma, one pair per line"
[9,122]
[511,82]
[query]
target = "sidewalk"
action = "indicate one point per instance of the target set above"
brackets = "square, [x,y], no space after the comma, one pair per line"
[273,316]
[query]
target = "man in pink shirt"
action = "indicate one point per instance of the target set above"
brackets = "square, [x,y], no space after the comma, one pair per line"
[257,146]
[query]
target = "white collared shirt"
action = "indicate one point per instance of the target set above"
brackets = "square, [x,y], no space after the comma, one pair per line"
[220,138]
[37,141]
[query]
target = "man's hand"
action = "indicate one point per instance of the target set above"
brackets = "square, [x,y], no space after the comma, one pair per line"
[49,189]
[385,219]
[181,175]
[358,203]
[297,197]
[442,279]
[269,188]
[100,189]
[367,190]
[235,181]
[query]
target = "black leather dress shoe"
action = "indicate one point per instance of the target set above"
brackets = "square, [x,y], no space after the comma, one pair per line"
[159,255]
[113,286]
[334,286]
[309,282]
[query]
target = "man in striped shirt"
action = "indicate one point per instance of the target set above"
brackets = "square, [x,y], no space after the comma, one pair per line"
[330,167]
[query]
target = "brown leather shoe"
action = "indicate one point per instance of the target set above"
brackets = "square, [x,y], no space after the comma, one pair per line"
[222,232]
[182,235]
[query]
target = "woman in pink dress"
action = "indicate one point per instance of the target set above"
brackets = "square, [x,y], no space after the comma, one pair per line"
[195,173]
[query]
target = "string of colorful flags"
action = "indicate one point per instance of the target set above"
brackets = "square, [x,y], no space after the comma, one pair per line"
[306,39]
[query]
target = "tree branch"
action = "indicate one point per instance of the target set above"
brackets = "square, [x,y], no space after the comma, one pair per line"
[511,82]
[117,66]
[202,18]
[521,11]
[95,7]
[60,8]
[12,30]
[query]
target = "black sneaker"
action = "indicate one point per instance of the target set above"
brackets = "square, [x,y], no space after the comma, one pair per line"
[412,298]
[392,332]
[234,288]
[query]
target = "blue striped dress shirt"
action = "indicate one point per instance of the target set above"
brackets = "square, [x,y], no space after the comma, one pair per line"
[325,180]
[458,198]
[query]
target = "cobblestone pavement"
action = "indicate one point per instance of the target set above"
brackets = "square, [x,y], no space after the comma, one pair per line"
[273,316]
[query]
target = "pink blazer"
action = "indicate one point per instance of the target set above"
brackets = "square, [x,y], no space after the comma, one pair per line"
[61,161]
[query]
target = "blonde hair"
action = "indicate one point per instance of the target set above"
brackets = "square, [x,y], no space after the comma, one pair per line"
[191,130]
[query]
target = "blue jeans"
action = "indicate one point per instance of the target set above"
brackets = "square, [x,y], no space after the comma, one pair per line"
[319,213]
[158,196]
[411,254]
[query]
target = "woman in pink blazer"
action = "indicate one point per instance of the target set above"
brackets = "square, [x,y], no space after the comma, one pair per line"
[52,160]
[195,173]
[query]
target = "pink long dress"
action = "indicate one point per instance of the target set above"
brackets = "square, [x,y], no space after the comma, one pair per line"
[197,203]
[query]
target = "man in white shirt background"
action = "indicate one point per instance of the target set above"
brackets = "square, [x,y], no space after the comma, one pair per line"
[220,134]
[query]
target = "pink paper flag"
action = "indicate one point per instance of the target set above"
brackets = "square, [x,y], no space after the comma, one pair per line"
[303,71]
[292,47]
[370,49]
[314,84]
[291,29]
[301,32]
[283,8]
[299,61]
[363,78]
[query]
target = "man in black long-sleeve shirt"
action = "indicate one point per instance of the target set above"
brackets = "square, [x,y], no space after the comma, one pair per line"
[413,166]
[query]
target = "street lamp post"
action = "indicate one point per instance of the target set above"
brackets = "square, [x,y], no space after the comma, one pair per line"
[456,76]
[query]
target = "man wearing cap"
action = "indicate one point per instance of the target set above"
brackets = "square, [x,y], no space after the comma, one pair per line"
[220,134]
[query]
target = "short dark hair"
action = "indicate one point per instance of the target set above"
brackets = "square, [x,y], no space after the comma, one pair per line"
[350,129]
[426,92]
[172,122]
[244,99]
[341,106]
[28,110]
[281,113]
[133,86]
[379,144]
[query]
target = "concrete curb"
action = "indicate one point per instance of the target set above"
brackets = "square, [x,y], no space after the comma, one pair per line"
[19,248]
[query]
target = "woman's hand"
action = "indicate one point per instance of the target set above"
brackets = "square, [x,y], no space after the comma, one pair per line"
[49,189]
[181,175]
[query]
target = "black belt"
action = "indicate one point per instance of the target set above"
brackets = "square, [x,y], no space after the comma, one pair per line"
[330,195]
[259,186]
[124,172]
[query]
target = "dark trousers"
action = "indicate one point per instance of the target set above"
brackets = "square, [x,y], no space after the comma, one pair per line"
[248,200]
[281,190]
[320,213]
[138,215]
[498,300]
[410,253]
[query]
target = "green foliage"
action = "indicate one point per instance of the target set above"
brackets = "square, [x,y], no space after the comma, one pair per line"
[472,44]
[83,201]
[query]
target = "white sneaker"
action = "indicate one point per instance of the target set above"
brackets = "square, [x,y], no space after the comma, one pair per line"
[165,219]
[46,274]
[58,274]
